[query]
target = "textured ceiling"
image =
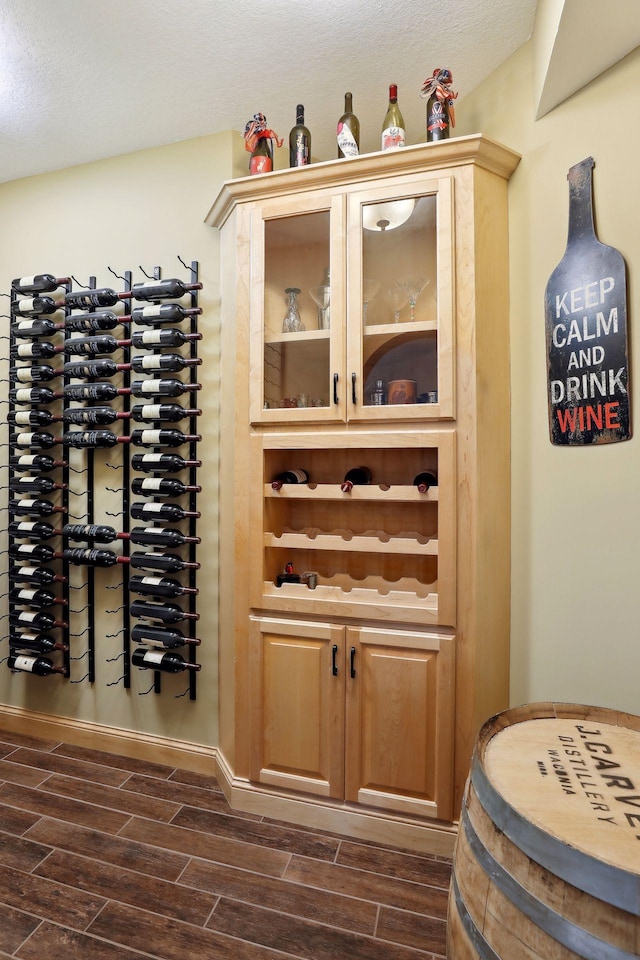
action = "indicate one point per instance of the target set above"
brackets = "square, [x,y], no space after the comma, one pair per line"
[82,80]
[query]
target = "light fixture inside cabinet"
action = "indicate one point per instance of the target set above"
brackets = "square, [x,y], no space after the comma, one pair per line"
[387,216]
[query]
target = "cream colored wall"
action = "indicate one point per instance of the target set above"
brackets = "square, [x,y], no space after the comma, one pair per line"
[143,208]
[576,511]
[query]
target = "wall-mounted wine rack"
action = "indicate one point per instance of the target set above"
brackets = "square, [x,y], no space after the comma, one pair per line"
[69,368]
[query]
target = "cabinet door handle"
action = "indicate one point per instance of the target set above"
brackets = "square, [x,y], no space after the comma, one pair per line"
[335,388]
[353,389]
[334,660]
[353,663]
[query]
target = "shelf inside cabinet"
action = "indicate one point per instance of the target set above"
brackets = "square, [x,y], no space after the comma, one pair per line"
[403,600]
[331,491]
[374,541]
[301,337]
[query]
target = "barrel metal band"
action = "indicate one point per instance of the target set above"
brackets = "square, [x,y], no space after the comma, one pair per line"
[556,926]
[610,884]
[482,948]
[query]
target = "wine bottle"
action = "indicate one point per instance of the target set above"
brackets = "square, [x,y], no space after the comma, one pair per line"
[38,373]
[163,612]
[80,556]
[93,368]
[162,388]
[162,313]
[348,132]
[162,438]
[92,438]
[40,283]
[34,306]
[161,512]
[162,487]
[94,346]
[38,552]
[425,479]
[157,660]
[393,129]
[35,598]
[41,666]
[92,532]
[34,508]
[93,415]
[145,633]
[35,619]
[36,642]
[162,289]
[167,337]
[31,418]
[169,412]
[35,350]
[40,576]
[160,537]
[35,327]
[35,485]
[159,587]
[85,299]
[161,462]
[93,391]
[99,320]
[153,362]
[261,159]
[167,562]
[39,440]
[355,476]
[32,530]
[299,141]
[289,476]
[38,462]
[33,395]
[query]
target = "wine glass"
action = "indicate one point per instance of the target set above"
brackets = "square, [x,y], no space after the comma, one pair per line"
[321,297]
[413,287]
[369,291]
[292,322]
[396,296]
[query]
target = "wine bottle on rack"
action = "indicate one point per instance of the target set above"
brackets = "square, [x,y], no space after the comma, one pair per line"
[355,476]
[154,362]
[160,537]
[162,438]
[393,128]
[35,350]
[38,552]
[79,556]
[168,337]
[35,485]
[162,388]
[41,666]
[162,289]
[99,320]
[35,306]
[162,487]
[289,476]
[160,587]
[39,440]
[299,141]
[348,131]
[92,438]
[161,463]
[94,391]
[92,532]
[35,598]
[85,299]
[34,508]
[161,512]
[163,612]
[425,479]
[32,418]
[40,283]
[37,462]
[161,636]
[33,395]
[34,327]
[157,313]
[36,642]
[32,530]
[94,346]
[36,620]
[157,660]
[39,576]
[93,368]
[169,412]
[93,415]
[38,373]
[167,562]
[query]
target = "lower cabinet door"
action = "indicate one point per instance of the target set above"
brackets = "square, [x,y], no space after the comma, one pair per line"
[399,721]
[297,705]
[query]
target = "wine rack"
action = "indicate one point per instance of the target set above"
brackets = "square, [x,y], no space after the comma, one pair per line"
[96,411]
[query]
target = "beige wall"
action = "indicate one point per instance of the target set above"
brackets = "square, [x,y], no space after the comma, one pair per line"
[144,208]
[576,511]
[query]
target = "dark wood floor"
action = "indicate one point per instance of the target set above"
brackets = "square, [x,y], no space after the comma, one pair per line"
[104,857]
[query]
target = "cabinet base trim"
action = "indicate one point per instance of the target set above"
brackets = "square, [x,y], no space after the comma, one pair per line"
[373,825]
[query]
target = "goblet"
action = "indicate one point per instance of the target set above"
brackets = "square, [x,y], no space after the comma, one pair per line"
[321,297]
[413,287]
[396,296]
[369,290]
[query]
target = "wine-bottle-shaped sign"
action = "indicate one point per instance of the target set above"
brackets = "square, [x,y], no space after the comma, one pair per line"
[586,330]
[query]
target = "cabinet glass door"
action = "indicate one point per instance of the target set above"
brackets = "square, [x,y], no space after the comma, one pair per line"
[400,349]
[297,311]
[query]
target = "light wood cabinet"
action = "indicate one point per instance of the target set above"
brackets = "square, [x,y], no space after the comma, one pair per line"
[412,588]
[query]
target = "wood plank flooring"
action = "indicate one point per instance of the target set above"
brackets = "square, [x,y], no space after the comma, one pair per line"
[109,858]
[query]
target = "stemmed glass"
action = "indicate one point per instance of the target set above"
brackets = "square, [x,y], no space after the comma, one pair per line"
[321,297]
[413,287]
[396,296]
[369,291]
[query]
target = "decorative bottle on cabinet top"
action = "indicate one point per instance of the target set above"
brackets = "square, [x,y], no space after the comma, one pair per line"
[393,129]
[299,141]
[348,130]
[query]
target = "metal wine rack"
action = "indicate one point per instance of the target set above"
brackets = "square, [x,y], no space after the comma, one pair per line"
[80,621]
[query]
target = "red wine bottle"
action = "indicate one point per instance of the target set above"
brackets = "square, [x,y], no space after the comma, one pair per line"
[167,337]
[40,576]
[39,373]
[79,556]
[92,533]
[94,346]
[161,462]
[162,388]
[35,598]
[92,438]
[93,368]
[157,313]
[39,440]
[157,660]
[40,283]
[32,530]
[93,415]
[37,462]
[34,306]
[94,391]
[154,362]
[167,412]
[36,642]
[289,476]
[161,512]
[35,485]
[163,612]
[162,487]
[35,327]
[38,552]
[33,395]
[161,636]
[99,320]
[162,438]
[35,620]
[159,587]
[357,475]
[167,562]
[35,350]
[160,537]
[41,666]
[31,418]
[425,479]
[162,289]
[85,299]
[34,508]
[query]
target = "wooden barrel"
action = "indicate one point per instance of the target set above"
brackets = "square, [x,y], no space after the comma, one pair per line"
[547,858]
